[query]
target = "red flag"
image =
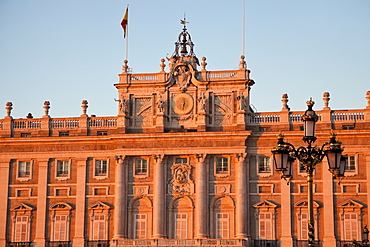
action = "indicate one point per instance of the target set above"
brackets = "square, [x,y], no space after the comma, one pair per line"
[124,23]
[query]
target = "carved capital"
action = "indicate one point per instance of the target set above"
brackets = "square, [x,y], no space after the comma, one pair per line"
[120,159]
[158,158]
[201,157]
[240,156]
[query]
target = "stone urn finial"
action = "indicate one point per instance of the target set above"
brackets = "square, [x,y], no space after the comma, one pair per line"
[9,108]
[125,66]
[242,63]
[285,100]
[84,106]
[162,65]
[46,108]
[326,98]
[204,64]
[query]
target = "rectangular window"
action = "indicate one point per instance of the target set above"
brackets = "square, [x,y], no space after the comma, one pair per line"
[99,227]
[141,167]
[100,191]
[222,225]
[25,134]
[62,168]
[101,167]
[222,165]
[102,133]
[24,169]
[265,226]
[63,133]
[181,226]
[140,226]
[264,164]
[60,228]
[351,164]
[350,226]
[21,229]
[181,161]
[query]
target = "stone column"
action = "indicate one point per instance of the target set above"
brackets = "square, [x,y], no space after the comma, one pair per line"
[159,198]
[328,214]
[80,221]
[42,188]
[286,214]
[241,196]
[201,195]
[4,188]
[120,199]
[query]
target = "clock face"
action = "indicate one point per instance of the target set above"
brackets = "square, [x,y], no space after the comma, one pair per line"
[183,103]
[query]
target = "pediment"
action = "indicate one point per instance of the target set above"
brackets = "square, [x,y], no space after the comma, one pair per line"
[351,204]
[24,206]
[266,204]
[305,204]
[61,206]
[101,205]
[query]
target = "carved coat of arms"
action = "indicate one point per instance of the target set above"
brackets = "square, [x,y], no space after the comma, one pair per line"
[181,179]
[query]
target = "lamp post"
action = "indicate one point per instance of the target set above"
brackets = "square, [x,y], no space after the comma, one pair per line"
[285,154]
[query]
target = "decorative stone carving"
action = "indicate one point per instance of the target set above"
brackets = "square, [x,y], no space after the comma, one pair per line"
[143,113]
[284,100]
[204,64]
[162,65]
[84,106]
[243,104]
[182,77]
[160,104]
[242,63]
[125,66]
[223,108]
[326,98]
[8,108]
[181,179]
[46,108]
[202,102]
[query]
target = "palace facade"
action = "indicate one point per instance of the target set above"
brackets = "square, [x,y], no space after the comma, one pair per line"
[186,162]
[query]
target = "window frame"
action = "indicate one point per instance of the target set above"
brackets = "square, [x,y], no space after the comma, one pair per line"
[100,176]
[220,225]
[29,176]
[68,176]
[222,174]
[266,173]
[183,222]
[352,172]
[136,224]
[140,175]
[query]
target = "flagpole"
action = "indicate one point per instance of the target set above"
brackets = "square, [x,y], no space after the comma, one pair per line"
[243,27]
[127,35]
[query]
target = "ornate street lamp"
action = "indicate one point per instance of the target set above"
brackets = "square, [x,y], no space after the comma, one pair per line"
[285,154]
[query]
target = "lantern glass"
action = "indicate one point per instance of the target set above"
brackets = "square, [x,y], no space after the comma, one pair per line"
[343,163]
[289,170]
[334,158]
[309,128]
[280,159]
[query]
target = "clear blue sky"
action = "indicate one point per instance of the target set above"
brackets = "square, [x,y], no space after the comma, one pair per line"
[70,50]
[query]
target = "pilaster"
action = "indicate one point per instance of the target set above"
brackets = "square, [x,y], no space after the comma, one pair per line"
[159,200]
[120,200]
[42,188]
[367,165]
[79,238]
[6,131]
[241,196]
[286,214]
[329,239]
[4,188]
[201,195]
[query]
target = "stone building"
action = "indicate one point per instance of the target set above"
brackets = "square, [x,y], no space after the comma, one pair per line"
[186,162]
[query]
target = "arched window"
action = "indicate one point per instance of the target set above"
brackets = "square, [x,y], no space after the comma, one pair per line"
[222,210]
[140,218]
[181,218]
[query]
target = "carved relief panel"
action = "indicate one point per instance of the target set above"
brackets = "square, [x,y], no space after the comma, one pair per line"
[181,179]
[221,109]
[141,111]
